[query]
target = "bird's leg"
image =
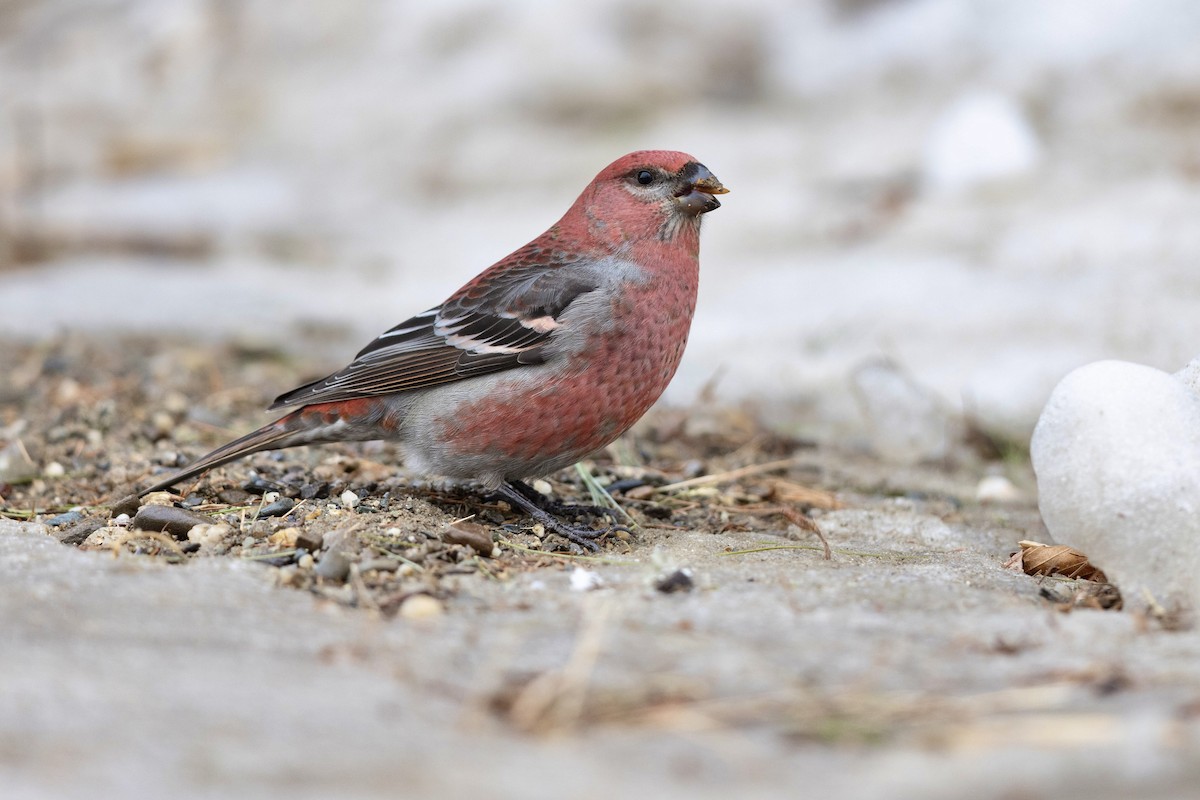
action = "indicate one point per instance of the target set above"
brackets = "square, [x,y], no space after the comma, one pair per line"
[579,535]
[557,507]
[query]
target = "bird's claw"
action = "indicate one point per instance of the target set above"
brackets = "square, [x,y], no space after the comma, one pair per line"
[584,537]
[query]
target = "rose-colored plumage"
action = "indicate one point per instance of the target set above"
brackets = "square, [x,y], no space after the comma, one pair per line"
[546,356]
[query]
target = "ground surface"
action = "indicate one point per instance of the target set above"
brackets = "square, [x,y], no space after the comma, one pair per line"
[910,664]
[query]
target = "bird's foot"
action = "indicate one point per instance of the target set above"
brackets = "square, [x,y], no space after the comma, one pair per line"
[584,537]
[558,507]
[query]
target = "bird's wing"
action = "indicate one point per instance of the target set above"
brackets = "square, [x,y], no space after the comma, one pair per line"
[501,320]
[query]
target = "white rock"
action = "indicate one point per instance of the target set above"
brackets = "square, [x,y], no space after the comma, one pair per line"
[421,606]
[1190,375]
[54,470]
[349,499]
[1117,457]
[981,138]
[102,537]
[997,489]
[583,580]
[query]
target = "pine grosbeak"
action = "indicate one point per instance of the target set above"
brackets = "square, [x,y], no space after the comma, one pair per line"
[545,357]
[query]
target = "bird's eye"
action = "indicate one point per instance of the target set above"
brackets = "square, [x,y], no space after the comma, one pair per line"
[645,177]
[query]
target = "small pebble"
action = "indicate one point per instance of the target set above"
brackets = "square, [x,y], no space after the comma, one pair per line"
[127,505]
[257,484]
[543,487]
[168,519]
[102,537]
[120,520]
[421,606]
[79,532]
[209,534]
[678,581]
[306,561]
[284,537]
[641,492]
[333,566]
[477,537]
[314,491]
[279,508]
[997,489]
[159,499]
[248,542]
[54,470]
[624,485]
[349,499]
[163,423]
[583,580]
[69,518]
[175,402]
[309,540]
[233,497]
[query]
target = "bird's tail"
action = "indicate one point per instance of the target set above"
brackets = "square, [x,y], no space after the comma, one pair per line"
[343,421]
[269,437]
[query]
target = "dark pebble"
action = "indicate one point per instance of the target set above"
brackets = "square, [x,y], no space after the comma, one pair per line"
[657,512]
[333,566]
[625,484]
[77,533]
[192,500]
[318,491]
[234,497]
[259,485]
[126,505]
[677,581]
[490,515]
[277,509]
[189,547]
[168,519]
[69,518]
[475,536]
[310,541]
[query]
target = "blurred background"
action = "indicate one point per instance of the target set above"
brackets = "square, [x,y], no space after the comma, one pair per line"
[938,207]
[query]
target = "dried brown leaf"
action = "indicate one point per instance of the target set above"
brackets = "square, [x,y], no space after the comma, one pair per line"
[784,491]
[1058,559]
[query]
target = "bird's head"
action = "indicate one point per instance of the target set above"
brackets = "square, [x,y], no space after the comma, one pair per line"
[650,193]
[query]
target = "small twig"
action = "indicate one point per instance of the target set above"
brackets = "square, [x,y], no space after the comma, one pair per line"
[725,477]
[769,547]
[796,518]
[555,700]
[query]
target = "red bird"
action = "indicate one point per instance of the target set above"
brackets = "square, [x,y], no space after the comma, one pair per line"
[545,357]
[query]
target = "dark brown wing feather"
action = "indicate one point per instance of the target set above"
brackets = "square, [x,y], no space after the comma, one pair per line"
[501,320]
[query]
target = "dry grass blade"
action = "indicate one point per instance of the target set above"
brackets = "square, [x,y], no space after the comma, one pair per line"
[796,518]
[725,477]
[135,535]
[554,701]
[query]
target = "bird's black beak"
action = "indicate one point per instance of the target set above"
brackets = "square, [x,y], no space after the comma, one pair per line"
[698,187]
